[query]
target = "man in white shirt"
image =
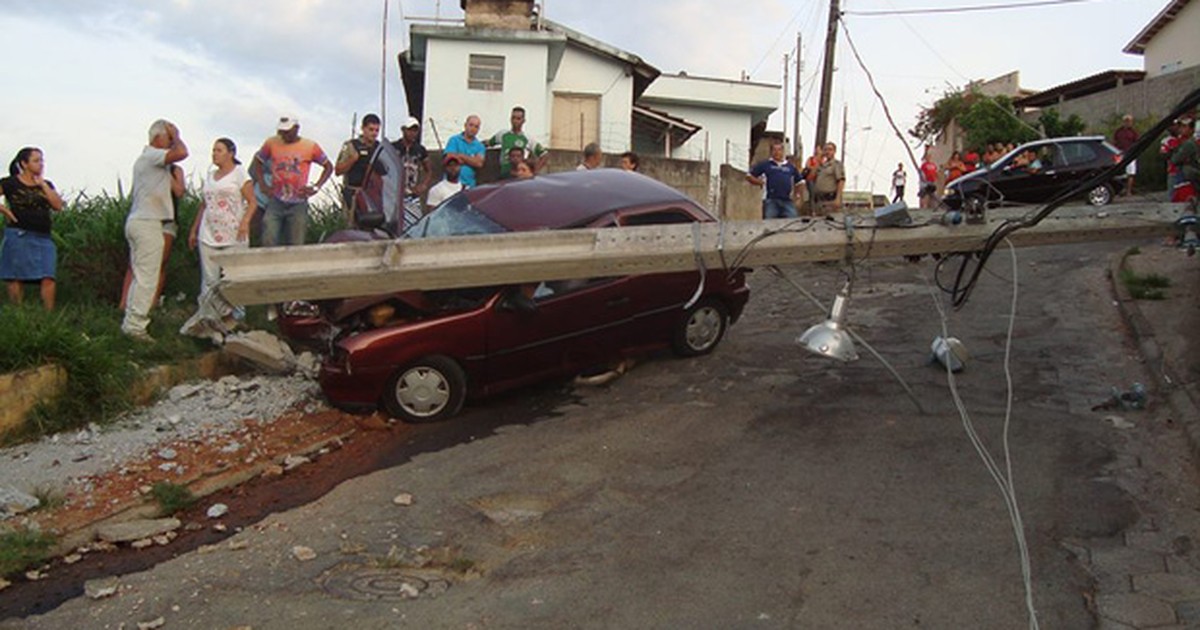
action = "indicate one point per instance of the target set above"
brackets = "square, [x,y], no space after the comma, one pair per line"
[446,188]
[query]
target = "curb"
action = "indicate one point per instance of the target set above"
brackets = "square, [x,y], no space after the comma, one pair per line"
[1166,376]
[202,485]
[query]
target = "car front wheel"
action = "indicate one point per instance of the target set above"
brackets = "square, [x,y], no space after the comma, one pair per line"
[431,389]
[1100,195]
[701,328]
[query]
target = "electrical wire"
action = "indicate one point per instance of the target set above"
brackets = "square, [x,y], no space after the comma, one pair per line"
[1003,478]
[964,9]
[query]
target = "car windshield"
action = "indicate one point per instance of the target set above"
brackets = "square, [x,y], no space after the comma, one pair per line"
[455,217]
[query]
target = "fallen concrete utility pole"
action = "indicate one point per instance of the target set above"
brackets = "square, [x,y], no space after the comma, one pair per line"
[315,272]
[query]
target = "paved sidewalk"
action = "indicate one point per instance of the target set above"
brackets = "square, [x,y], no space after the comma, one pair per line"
[1147,578]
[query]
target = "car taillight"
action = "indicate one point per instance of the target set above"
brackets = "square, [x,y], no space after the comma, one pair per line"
[1116,158]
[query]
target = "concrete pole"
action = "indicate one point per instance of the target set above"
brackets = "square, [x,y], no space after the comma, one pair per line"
[827,73]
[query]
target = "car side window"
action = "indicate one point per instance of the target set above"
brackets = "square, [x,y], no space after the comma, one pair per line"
[558,288]
[1078,153]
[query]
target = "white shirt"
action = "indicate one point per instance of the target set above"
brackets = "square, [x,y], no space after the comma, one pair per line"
[224,207]
[151,193]
[442,191]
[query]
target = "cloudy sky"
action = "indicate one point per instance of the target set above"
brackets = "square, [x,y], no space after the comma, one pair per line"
[85,78]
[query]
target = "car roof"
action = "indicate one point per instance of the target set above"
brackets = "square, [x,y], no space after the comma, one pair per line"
[1042,141]
[572,198]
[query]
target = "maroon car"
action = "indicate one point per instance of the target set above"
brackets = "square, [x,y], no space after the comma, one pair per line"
[420,354]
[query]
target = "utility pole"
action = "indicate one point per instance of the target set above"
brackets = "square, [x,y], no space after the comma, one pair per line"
[785,99]
[827,74]
[799,146]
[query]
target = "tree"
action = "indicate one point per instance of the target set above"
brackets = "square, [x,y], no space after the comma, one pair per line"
[1053,126]
[984,119]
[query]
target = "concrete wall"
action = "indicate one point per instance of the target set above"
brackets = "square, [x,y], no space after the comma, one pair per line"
[1177,46]
[1151,98]
[740,200]
[448,101]
[585,73]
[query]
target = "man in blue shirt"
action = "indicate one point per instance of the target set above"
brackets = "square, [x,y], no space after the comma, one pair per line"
[467,148]
[781,178]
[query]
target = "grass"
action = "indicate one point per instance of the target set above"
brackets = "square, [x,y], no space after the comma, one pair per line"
[83,334]
[49,499]
[22,549]
[172,497]
[1145,286]
[1134,251]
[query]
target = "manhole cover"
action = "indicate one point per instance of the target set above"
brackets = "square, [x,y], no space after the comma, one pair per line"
[362,583]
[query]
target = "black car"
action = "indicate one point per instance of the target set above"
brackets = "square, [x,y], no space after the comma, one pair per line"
[1036,172]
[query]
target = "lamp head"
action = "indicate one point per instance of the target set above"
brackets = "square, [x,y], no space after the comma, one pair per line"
[830,338]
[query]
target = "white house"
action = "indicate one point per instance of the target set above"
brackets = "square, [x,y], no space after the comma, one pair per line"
[575,89]
[1171,41]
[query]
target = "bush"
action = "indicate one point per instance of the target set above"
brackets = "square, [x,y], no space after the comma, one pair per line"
[22,549]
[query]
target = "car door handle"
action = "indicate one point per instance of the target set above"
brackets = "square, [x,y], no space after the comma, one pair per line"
[621,301]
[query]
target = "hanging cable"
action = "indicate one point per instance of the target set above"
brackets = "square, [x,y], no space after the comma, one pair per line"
[964,9]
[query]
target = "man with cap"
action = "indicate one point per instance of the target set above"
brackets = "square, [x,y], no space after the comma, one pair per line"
[515,138]
[468,149]
[353,161]
[448,186]
[290,157]
[417,174]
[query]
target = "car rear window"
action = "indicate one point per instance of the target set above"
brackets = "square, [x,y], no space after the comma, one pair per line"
[455,217]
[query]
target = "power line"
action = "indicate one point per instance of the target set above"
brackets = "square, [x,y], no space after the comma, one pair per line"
[964,9]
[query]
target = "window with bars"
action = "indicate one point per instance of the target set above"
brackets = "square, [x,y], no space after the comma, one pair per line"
[486,73]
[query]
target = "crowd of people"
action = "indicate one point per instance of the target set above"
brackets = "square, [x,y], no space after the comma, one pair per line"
[269,196]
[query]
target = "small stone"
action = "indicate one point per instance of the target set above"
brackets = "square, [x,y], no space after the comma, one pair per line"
[193,527]
[34,575]
[238,545]
[273,471]
[141,544]
[1119,423]
[152,624]
[72,558]
[4,584]
[303,554]
[408,591]
[167,467]
[207,548]
[232,447]
[13,502]
[217,510]
[179,392]
[403,498]
[101,545]
[291,462]
[219,527]
[101,588]
[168,454]
[162,540]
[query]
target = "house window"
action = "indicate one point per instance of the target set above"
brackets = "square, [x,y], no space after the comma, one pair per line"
[486,73]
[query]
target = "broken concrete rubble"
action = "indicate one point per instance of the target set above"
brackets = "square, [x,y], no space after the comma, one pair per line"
[137,530]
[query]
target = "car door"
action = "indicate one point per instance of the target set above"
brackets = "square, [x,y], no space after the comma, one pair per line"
[559,328]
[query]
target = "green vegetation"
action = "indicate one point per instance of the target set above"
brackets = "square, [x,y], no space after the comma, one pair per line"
[22,549]
[1145,287]
[83,334]
[49,499]
[172,497]
[989,119]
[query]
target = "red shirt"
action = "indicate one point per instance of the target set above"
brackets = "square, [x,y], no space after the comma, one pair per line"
[929,172]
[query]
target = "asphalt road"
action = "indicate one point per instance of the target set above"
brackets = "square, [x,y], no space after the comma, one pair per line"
[758,487]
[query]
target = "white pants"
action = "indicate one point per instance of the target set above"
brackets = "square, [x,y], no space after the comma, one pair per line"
[145,238]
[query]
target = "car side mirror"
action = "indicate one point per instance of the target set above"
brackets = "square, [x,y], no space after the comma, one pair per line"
[516,301]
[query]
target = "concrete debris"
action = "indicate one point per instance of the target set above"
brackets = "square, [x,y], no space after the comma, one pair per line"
[217,510]
[136,530]
[291,462]
[162,540]
[403,498]
[263,349]
[408,591]
[272,471]
[238,545]
[152,624]
[186,390]
[168,454]
[142,543]
[4,584]
[101,587]
[72,558]
[219,527]
[35,575]
[308,364]
[232,447]
[303,554]
[14,502]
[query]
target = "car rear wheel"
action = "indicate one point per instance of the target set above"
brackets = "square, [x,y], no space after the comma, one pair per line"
[431,389]
[701,328]
[1100,195]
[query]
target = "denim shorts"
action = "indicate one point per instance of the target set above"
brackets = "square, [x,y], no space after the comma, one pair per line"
[27,256]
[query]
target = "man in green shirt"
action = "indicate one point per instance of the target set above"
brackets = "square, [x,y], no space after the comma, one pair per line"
[515,138]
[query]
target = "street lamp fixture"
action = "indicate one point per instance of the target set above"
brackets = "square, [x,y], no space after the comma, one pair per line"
[830,338]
